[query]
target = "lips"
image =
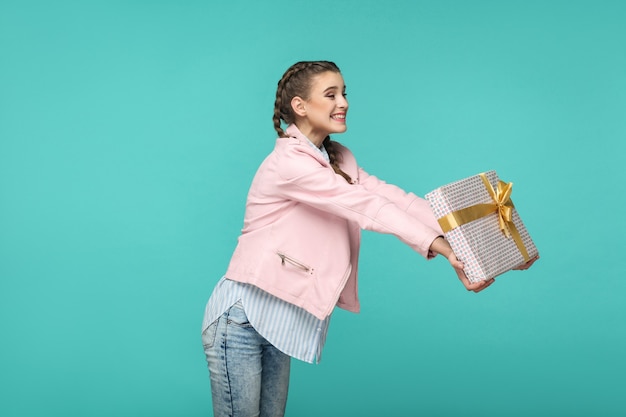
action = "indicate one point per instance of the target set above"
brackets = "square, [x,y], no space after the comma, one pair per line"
[340,117]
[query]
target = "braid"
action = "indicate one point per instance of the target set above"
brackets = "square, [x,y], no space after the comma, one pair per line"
[287,90]
[335,158]
[279,105]
[276,118]
[296,81]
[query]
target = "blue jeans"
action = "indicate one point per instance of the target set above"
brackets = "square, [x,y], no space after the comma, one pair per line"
[249,376]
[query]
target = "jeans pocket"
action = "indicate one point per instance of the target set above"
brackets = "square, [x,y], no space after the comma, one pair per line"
[208,335]
[237,316]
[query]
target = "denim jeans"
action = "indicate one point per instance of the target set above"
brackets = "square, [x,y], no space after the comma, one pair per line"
[249,376]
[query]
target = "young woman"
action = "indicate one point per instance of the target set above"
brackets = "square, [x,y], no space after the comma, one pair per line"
[298,252]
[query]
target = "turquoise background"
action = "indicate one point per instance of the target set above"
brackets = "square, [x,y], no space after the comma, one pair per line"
[130,131]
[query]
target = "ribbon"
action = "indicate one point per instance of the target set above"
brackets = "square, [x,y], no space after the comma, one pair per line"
[501,204]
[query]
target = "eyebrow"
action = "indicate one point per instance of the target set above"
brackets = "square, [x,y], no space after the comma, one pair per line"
[334,87]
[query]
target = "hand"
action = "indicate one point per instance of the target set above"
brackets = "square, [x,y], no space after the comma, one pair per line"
[440,245]
[527,264]
[470,286]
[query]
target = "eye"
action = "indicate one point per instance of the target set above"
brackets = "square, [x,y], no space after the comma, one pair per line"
[330,96]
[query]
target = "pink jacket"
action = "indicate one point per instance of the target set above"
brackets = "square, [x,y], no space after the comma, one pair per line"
[302,226]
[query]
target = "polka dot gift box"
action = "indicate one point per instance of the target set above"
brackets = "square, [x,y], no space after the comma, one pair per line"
[482,225]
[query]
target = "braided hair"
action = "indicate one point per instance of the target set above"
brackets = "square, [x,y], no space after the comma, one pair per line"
[296,81]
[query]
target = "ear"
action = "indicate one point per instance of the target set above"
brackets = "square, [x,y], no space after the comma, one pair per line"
[297,104]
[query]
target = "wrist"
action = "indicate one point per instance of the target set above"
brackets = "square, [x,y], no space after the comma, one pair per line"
[441,246]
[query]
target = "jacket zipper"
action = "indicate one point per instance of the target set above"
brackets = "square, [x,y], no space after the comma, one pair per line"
[284,258]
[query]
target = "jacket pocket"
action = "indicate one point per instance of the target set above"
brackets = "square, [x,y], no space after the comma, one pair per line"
[291,262]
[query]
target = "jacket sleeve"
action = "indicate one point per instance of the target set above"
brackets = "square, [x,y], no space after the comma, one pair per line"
[303,179]
[411,203]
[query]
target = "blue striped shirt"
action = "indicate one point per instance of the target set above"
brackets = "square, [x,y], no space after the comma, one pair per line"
[291,329]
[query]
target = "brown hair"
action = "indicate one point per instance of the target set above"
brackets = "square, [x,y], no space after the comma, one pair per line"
[296,81]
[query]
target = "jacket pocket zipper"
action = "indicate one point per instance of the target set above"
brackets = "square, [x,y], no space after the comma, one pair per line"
[285,258]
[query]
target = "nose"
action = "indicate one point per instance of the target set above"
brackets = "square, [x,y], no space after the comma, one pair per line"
[342,102]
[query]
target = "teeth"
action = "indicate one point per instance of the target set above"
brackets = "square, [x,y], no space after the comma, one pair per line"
[339,116]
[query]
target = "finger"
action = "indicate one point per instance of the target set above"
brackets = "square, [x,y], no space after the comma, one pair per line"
[455,262]
[473,286]
[487,284]
[479,286]
[461,274]
[470,286]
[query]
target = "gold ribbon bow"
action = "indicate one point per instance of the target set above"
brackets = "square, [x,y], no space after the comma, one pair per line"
[501,204]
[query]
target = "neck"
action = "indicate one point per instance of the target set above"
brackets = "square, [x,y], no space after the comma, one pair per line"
[316,137]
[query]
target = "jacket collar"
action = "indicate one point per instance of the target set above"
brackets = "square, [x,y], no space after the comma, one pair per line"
[293,132]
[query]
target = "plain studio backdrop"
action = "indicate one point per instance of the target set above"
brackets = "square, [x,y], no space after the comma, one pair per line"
[130,132]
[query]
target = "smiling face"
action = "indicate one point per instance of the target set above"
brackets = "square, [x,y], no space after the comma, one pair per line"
[324,110]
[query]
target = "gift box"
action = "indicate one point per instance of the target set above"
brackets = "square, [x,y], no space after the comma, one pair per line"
[482,225]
